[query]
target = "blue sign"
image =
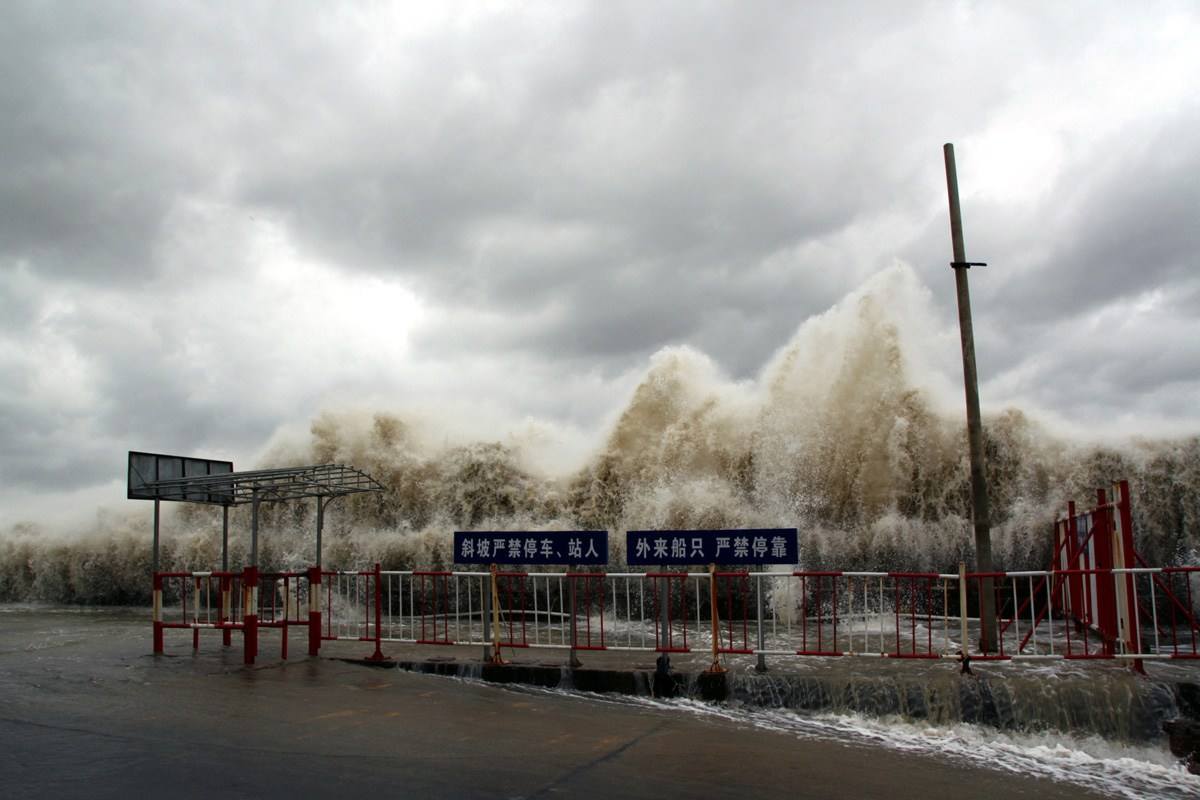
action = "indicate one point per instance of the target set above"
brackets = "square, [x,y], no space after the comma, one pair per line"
[681,548]
[531,547]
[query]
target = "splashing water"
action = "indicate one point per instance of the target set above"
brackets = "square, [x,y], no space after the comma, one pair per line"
[1129,770]
[845,434]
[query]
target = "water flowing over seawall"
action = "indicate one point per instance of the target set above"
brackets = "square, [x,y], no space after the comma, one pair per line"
[844,434]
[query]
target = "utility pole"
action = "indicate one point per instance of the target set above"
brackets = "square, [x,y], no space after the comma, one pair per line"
[980,507]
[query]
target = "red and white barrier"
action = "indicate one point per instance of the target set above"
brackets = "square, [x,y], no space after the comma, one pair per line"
[205,602]
[800,614]
[1099,600]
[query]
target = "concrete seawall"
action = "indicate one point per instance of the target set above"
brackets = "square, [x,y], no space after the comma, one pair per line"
[1080,698]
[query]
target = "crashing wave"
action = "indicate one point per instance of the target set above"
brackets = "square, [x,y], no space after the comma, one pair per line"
[844,434]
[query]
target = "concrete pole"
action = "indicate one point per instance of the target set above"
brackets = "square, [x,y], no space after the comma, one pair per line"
[980,506]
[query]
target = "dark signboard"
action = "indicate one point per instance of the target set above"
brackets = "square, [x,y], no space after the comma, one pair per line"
[147,468]
[531,547]
[733,547]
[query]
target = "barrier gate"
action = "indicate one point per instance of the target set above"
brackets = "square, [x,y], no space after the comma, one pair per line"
[252,602]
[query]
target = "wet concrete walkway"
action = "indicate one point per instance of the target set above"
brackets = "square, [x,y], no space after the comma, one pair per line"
[85,711]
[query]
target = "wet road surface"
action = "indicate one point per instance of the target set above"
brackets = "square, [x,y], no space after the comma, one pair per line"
[86,711]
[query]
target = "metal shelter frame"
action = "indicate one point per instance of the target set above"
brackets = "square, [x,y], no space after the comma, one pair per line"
[322,482]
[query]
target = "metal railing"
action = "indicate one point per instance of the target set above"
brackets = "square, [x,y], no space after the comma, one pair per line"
[1040,615]
[197,601]
[803,613]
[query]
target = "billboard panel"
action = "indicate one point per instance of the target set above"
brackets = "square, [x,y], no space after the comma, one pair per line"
[147,468]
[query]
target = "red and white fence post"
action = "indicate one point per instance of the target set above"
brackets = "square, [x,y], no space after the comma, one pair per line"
[158,621]
[378,654]
[1126,557]
[314,611]
[250,605]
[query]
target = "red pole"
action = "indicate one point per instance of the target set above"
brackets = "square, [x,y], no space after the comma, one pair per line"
[378,654]
[587,605]
[912,612]
[314,611]
[833,580]
[250,630]
[600,581]
[158,628]
[929,616]
[804,613]
[896,604]
[820,620]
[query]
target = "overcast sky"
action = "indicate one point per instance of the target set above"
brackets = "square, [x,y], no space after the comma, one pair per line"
[217,219]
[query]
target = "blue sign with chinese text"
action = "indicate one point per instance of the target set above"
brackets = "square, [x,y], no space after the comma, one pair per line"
[531,547]
[679,548]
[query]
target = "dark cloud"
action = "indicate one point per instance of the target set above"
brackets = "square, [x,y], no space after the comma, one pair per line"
[1115,227]
[564,190]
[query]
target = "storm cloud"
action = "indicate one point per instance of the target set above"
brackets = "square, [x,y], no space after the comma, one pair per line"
[219,219]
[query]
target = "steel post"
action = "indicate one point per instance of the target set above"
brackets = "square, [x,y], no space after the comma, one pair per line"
[154,555]
[320,526]
[254,528]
